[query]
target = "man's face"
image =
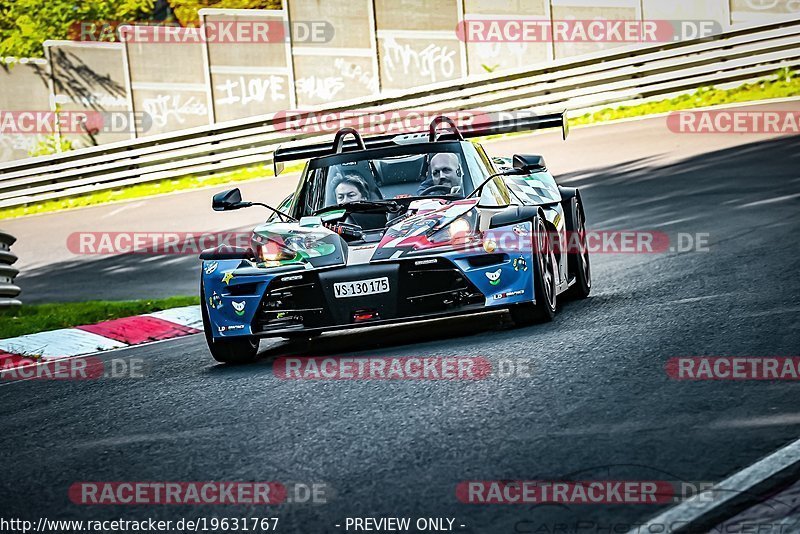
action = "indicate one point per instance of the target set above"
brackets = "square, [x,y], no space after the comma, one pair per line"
[444,169]
[347,193]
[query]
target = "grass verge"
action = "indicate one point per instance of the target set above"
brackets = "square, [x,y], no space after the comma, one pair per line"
[138,191]
[783,84]
[30,319]
[169,185]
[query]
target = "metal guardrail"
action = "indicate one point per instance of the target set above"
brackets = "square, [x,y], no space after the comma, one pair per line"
[8,290]
[618,75]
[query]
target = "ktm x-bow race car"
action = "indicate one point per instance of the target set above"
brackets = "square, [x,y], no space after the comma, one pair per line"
[397,228]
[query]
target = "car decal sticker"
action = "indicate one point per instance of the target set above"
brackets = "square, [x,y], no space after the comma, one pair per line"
[211,267]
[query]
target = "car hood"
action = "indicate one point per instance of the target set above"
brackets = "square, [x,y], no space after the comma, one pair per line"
[319,246]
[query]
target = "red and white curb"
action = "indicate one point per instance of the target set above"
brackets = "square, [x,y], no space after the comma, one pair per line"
[88,339]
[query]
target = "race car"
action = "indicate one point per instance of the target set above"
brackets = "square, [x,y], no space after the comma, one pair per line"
[398,228]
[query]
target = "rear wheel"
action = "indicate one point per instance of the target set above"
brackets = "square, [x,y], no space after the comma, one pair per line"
[232,350]
[545,280]
[579,259]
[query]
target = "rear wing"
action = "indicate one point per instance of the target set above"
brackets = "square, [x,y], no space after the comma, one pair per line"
[486,124]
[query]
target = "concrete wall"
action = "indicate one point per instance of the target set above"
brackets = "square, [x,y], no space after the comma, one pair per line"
[91,77]
[24,86]
[345,65]
[754,11]
[365,47]
[588,10]
[167,81]
[249,78]
[716,10]
[493,57]
[417,42]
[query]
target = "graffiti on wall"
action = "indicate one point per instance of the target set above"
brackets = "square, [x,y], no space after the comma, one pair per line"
[433,62]
[164,108]
[242,91]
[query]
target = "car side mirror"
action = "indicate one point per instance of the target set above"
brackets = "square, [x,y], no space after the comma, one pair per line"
[529,163]
[228,200]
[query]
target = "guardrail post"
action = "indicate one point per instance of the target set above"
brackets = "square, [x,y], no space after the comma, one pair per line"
[8,291]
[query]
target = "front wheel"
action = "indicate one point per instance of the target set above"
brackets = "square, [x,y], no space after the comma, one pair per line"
[545,281]
[234,350]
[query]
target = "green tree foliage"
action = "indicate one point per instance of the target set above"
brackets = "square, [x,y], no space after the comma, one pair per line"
[50,144]
[186,10]
[26,24]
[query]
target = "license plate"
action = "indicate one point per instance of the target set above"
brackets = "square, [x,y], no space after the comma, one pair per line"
[360,288]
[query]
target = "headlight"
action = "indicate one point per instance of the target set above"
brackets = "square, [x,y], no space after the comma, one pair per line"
[294,246]
[458,232]
[300,242]
[271,251]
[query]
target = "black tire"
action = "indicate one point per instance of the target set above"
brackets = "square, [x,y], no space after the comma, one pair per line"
[579,265]
[235,350]
[545,281]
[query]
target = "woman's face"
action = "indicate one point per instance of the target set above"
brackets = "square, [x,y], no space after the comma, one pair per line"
[347,193]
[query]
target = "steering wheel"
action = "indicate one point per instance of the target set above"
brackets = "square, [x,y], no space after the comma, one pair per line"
[444,189]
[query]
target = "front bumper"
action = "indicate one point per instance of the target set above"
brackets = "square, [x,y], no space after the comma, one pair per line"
[244,300]
[435,288]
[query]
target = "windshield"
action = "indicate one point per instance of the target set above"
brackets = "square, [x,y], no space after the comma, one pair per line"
[430,174]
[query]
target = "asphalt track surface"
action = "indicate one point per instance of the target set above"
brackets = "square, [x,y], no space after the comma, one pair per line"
[598,403]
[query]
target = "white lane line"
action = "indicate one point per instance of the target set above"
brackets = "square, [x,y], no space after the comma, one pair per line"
[766,313]
[771,200]
[784,419]
[674,221]
[122,208]
[701,513]
[698,299]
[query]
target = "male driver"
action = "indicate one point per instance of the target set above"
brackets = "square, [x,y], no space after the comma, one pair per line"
[445,175]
